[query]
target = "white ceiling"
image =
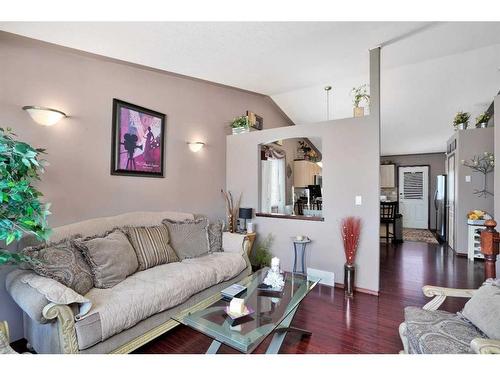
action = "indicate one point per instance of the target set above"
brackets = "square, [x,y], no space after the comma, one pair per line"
[429,70]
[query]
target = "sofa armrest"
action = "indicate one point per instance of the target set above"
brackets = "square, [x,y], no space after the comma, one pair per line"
[440,294]
[65,321]
[235,243]
[485,346]
[27,298]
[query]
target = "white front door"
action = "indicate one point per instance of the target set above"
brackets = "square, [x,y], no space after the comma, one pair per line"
[414,196]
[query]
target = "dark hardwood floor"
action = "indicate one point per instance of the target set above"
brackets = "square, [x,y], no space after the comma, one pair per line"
[366,323]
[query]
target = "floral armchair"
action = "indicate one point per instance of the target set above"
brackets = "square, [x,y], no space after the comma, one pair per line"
[428,330]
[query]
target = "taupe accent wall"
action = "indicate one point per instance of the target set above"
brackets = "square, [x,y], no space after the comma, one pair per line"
[78,181]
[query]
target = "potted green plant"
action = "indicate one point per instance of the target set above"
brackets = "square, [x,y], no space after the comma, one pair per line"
[461,120]
[261,256]
[360,94]
[482,120]
[20,208]
[240,125]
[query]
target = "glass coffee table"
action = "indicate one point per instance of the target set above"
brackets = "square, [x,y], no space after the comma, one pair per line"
[273,313]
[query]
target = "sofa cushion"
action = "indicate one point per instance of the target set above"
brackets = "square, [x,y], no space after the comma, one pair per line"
[483,309]
[438,332]
[189,238]
[151,245]
[62,262]
[111,257]
[157,289]
[215,236]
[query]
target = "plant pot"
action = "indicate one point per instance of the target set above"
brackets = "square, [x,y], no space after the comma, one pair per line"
[462,126]
[482,125]
[349,275]
[359,111]
[240,130]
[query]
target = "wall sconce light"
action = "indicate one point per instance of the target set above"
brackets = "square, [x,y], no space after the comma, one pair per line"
[43,115]
[196,146]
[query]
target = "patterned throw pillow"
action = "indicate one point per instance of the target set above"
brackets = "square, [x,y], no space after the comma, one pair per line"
[151,245]
[215,236]
[62,262]
[189,238]
[110,256]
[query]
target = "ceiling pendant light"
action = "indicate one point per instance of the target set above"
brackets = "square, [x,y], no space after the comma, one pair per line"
[327,90]
[43,115]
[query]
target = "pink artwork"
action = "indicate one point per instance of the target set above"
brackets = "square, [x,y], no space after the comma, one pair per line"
[138,143]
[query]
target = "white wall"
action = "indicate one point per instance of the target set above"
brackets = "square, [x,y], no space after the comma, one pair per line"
[351,156]
[350,168]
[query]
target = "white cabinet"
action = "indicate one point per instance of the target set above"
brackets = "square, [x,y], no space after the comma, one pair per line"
[388,176]
[474,242]
[304,172]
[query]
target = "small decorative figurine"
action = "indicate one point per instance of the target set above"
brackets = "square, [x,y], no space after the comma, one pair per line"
[273,277]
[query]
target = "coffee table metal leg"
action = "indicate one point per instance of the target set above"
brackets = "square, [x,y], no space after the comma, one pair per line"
[214,347]
[295,258]
[281,331]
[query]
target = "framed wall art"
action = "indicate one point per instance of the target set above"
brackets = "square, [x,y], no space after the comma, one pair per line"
[138,141]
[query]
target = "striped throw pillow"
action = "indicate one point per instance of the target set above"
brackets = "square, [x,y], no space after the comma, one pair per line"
[151,245]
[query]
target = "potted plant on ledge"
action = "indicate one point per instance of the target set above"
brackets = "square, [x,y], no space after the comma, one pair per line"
[359,94]
[482,120]
[240,125]
[461,120]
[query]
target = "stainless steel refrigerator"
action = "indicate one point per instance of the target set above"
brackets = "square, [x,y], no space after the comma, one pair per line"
[440,205]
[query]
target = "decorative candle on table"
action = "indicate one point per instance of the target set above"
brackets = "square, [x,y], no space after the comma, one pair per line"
[275,264]
[237,306]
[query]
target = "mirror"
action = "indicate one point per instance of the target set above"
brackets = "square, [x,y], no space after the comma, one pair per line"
[291,179]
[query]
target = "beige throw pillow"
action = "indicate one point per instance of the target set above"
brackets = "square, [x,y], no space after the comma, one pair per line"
[189,238]
[483,309]
[151,245]
[111,258]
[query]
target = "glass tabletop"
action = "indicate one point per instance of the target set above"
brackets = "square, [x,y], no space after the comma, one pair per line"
[270,308]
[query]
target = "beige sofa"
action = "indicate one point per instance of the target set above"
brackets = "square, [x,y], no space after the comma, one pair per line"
[135,311]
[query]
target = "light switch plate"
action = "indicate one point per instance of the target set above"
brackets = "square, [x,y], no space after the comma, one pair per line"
[467,178]
[358,200]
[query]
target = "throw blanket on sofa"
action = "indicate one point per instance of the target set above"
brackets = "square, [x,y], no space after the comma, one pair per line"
[157,289]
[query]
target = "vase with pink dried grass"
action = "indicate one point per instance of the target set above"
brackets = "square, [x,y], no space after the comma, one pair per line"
[350,230]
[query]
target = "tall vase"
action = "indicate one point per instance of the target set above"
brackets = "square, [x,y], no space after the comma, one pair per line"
[349,275]
[230,223]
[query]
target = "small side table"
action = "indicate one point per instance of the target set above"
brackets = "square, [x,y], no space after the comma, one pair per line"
[300,247]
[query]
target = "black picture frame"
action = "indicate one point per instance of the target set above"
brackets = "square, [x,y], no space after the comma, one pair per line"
[116,141]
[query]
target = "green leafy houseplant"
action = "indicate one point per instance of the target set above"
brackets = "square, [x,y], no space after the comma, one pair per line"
[482,118]
[240,122]
[461,118]
[20,208]
[359,94]
[261,256]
